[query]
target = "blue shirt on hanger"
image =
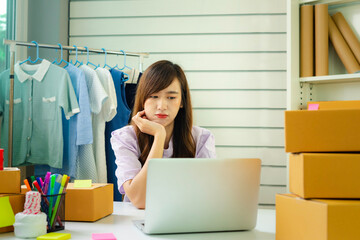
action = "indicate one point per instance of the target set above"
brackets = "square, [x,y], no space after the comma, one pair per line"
[77,130]
[120,120]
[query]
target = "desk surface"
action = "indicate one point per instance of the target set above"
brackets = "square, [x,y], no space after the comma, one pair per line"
[120,224]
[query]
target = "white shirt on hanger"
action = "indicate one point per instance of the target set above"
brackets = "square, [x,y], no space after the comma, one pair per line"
[87,168]
[107,113]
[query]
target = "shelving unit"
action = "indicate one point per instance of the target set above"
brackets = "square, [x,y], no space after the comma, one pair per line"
[320,88]
[339,78]
[329,2]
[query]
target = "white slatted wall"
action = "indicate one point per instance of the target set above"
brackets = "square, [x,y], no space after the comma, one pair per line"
[233,53]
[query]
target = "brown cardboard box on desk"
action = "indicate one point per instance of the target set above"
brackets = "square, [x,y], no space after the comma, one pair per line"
[325,175]
[337,105]
[320,219]
[88,204]
[322,131]
[10,180]
[17,203]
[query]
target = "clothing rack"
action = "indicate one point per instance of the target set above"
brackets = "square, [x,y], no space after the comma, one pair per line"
[13,43]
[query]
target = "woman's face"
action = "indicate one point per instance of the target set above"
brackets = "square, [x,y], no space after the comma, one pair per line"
[163,106]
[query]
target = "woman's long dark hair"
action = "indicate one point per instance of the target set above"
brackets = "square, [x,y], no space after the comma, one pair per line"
[156,78]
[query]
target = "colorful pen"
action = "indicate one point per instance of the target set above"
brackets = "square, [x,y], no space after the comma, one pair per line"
[51,190]
[45,199]
[63,182]
[36,184]
[46,182]
[32,179]
[57,183]
[27,184]
[67,181]
[62,196]
[30,182]
[38,179]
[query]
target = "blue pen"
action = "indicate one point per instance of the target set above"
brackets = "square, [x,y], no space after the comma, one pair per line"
[38,179]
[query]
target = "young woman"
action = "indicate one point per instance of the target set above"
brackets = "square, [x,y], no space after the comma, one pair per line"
[161,127]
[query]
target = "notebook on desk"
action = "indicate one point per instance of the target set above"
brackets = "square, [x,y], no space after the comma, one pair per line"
[186,195]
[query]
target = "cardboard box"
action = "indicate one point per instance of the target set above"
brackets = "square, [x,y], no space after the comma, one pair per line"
[10,180]
[24,189]
[322,131]
[299,219]
[99,202]
[88,204]
[337,105]
[17,203]
[325,175]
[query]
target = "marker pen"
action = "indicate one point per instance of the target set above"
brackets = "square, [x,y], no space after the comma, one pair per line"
[1,159]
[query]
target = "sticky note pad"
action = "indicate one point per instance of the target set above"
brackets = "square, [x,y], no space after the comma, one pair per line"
[103,236]
[7,217]
[82,183]
[54,236]
[313,106]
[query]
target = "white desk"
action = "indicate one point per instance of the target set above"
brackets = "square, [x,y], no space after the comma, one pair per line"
[120,224]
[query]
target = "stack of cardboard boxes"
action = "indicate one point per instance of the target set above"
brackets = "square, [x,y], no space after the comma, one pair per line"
[10,187]
[324,174]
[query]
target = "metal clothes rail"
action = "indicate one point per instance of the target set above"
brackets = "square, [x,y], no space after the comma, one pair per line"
[40,45]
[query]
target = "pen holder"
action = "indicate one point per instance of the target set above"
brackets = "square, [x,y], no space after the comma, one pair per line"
[54,207]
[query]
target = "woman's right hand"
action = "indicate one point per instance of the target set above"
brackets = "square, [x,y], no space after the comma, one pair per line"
[147,126]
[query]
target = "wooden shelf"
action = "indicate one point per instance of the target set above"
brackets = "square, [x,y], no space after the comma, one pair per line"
[329,2]
[340,78]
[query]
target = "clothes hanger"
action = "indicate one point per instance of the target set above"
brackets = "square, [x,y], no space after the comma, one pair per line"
[105,65]
[76,56]
[82,62]
[61,55]
[87,59]
[37,55]
[125,66]
[55,61]
[117,66]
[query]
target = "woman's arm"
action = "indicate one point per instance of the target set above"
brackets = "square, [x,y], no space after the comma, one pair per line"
[135,188]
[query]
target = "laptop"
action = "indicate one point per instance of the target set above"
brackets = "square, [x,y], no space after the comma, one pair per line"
[185,195]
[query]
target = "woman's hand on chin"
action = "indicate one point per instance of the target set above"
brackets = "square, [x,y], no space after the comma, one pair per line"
[147,126]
